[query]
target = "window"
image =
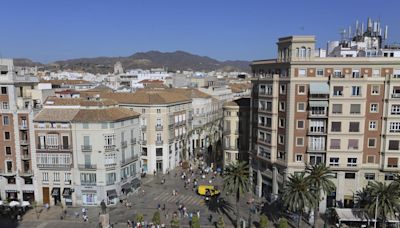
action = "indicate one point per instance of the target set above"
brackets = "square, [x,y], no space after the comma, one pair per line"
[8,150]
[281,139]
[372,125]
[5,105]
[144,151]
[356,90]
[338,91]
[7,135]
[3,90]
[389,176]
[395,109]
[355,108]
[56,177]
[159,152]
[375,90]
[300,124]
[143,110]
[299,157]
[356,74]
[371,159]
[301,89]
[351,162]
[349,175]
[88,178]
[282,106]
[85,126]
[373,107]
[67,177]
[301,107]
[392,162]
[353,144]
[282,122]
[299,141]
[320,72]
[354,126]
[302,72]
[337,108]
[45,176]
[6,120]
[335,144]
[369,176]
[334,161]
[393,144]
[372,142]
[394,127]
[316,159]
[282,89]
[158,110]
[336,127]
[376,73]
[109,140]
[337,73]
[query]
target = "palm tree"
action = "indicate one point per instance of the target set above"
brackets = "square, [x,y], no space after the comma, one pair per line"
[387,197]
[362,197]
[236,181]
[297,195]
[320,179]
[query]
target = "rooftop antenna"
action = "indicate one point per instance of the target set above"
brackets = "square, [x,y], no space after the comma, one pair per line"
[385,36]
[349,32]
[362,28]
[357,29]
[369,25]
[343,34]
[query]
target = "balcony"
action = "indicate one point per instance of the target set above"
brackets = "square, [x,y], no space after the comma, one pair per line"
[53,147]
[7,173]
[159,142]
[109,148]
[23,127]
[395,95]
[124,144]
[85,183]
[143,127]
[159,127]
[87,167]
[54,166]
[86,148]
[318,131]
[24,142]
[25,173]
[316,149]
[25,156]
[133,141]
[143,142]
[110,166]
[129,160]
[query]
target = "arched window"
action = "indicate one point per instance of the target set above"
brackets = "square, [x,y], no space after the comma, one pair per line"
[309,53]
[297,52]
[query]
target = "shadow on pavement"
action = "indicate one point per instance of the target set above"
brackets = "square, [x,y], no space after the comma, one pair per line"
[221,206]
[8,223]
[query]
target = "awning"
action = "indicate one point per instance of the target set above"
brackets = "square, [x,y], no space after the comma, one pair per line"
[112,194]
[351,215]
[67,192]
[126,186]
[11,191]
[55,192]
[319,88]
[318,103]
[27,191]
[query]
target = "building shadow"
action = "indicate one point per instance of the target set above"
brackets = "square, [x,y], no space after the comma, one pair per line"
[221,206]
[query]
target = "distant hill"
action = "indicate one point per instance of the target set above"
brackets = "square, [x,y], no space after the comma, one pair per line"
[178,60]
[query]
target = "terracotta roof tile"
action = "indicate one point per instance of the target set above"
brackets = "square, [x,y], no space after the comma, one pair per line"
[148,96]
[56,115]
[104,115]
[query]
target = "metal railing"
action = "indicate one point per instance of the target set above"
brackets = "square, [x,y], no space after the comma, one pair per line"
[54,147]
[86,148]
[108,148]
[133,141]
[129,160]
[159,127]
[159,142]
[25,156]
[124,144]
[87,166]
[54,166]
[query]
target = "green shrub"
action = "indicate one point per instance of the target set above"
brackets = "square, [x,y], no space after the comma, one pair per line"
[263,221]
[283,223]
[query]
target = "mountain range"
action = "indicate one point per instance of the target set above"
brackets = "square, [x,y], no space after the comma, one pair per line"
[172,61]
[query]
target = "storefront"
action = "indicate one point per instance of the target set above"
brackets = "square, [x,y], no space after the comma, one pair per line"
[28,195]
[89,198]
[11,194]
[55,193]
[67,196]
[112,197]
[135,183]
[126,188]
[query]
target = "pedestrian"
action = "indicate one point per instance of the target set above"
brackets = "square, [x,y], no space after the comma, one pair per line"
[163,207]
[103,207]
[143,192]
[159,206]
[210,218]
[83,211]
[198,214]
[129,224]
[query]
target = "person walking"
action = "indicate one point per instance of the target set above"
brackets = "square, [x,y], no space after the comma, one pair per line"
[103,207]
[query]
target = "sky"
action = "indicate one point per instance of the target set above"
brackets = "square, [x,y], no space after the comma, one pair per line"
[50,30]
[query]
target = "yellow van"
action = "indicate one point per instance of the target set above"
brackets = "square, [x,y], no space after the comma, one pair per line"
[202,189]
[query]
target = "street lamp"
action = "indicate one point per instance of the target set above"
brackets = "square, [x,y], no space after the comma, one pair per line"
[376,209]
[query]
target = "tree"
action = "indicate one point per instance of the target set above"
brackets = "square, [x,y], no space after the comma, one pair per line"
[175,222]
[263,221]
[386,195]
[35,207]
[220,222]
[236,181]
[195,222]
[156,218]
[320,180]
[139,217]
[283,223]
[297,195]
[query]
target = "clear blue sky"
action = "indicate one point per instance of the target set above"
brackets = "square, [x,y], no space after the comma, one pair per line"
[48,30]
